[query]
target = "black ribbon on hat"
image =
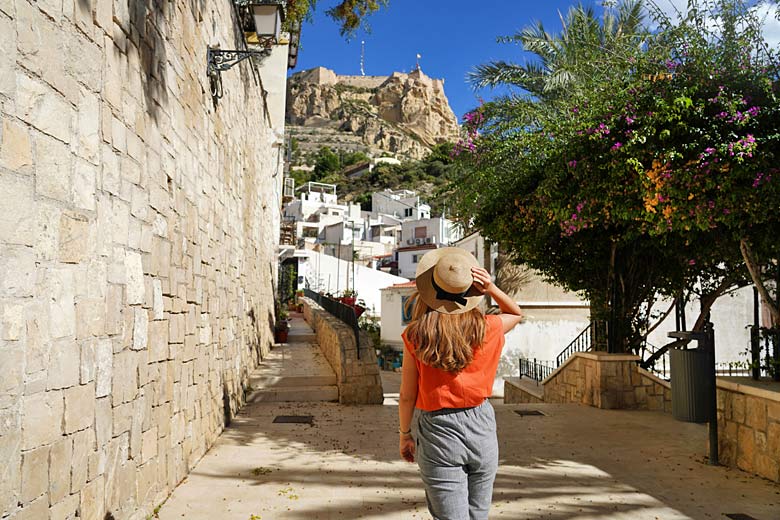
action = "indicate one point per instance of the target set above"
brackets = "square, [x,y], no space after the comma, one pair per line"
[441,294]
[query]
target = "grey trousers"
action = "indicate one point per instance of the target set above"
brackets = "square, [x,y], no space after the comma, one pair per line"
[457,452]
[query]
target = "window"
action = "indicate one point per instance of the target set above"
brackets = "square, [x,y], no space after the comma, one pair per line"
[420,232]
[414,259]
[408,212]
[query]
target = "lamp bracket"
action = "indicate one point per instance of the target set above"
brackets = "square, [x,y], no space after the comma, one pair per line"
[220,60]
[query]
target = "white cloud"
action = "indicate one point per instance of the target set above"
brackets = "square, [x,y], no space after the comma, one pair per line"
[671,8]
[768,13]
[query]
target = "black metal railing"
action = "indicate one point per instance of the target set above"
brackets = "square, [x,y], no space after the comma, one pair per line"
[536,370]
[765,353]
[345,313]
[594,337]
[660,366]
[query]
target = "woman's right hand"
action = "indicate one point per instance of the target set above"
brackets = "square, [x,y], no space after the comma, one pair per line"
[482,280]
[406,447]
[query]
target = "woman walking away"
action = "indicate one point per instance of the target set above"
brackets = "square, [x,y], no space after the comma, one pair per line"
[450,362]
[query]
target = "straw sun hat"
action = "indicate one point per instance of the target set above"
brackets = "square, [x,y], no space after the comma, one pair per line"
[444,280]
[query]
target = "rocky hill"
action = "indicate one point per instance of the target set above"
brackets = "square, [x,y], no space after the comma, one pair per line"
[402,114]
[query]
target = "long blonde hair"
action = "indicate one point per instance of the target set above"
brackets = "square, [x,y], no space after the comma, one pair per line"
[445,341]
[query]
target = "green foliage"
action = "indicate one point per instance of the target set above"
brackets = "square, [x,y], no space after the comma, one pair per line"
[350,14]
[327,162]
[630,170]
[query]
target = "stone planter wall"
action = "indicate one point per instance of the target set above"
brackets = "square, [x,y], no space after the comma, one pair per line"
[749,429]
[516,392]
[600,380]
[137,250]
[595,379]
[358,379]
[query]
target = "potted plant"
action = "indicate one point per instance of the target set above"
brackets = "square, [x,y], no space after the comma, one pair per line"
[349,297]
[282,327]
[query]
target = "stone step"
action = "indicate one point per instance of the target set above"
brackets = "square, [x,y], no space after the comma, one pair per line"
[270,382]
[298,394]
[301,337]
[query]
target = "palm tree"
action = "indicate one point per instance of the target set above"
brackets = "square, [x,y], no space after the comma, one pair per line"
[566,60]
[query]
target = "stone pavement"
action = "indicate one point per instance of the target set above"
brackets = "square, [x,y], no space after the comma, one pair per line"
[296,370]
[575,462]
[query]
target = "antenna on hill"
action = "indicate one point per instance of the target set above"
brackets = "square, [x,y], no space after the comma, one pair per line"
[418,61]
[362,57]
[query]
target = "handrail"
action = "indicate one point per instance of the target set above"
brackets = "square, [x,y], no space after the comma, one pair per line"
[651,362]
[595,334]
[345,313]
[536,370]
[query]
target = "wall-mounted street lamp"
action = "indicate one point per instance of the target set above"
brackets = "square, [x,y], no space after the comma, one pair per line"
[261,23]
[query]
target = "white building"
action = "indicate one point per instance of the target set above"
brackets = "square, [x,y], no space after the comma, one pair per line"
[395,314]
[383,228]
[418,236]
[316,207]
[399,203]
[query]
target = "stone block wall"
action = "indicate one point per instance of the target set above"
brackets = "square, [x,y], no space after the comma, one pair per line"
[516,392]
[749,429]
[136,250]
[594,379]
[651,392]
[358,379]
[611,381]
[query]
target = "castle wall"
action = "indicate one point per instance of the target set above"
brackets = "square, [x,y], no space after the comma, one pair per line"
[138,226]
[361,81]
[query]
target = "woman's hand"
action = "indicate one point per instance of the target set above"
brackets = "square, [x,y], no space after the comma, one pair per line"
[482,281]
[406,447]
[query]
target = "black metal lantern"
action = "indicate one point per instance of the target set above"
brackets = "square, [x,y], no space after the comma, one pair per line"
[261,20]
[261,23]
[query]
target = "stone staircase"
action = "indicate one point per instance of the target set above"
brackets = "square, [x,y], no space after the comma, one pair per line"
[294,371]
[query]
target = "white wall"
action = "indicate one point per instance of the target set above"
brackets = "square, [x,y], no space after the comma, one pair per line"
[331,275]
[443,231]
[406,265]
[730,317]
[544,334]
[391,322]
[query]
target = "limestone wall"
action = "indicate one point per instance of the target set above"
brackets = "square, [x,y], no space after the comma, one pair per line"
[136,250]
[749,428]
[358,379]
[596,379]
[516,391]
[362,81]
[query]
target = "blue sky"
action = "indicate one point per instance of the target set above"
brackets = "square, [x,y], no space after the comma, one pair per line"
[452,36]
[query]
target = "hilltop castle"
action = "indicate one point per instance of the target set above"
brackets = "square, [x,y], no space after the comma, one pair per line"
[404,114]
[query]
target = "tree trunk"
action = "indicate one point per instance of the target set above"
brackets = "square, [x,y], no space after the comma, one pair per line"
[754,268]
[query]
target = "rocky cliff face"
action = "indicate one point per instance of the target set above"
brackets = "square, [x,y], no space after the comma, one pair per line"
[404,114]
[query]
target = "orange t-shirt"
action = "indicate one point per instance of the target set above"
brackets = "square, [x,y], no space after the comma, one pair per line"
[437,388]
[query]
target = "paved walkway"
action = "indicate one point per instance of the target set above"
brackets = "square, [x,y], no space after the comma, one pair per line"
[575,462]
[296,370]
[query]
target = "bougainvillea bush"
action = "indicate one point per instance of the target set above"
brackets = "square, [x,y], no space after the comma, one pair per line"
[642,174]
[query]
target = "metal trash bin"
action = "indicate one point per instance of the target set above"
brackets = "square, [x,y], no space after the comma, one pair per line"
[691,384]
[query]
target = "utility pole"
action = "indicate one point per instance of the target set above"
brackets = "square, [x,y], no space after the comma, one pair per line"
[362,57]
[338,268]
